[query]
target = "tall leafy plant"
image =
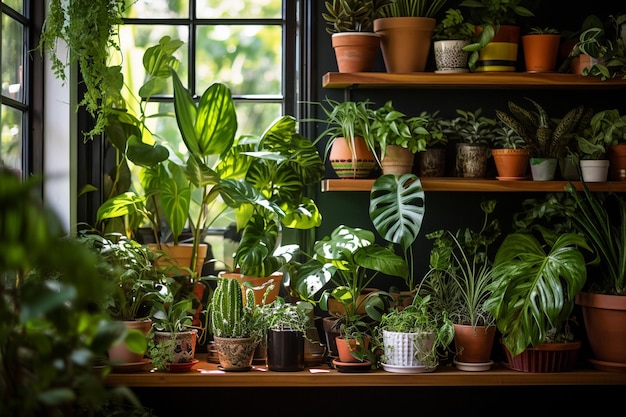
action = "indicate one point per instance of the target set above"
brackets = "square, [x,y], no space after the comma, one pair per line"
[397,207]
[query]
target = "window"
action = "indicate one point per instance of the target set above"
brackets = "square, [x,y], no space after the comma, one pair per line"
[20,145]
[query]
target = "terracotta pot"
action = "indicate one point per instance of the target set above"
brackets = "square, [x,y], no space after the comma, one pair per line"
[501,53]
[120,354]
[178,257]
[511,164]
[594,170]
[617,162]
[356,51]
[580,62]
[405,42]
[473,344]
[348,164]
[604,317]
[432,162]
[545,357]
[336,309]
[345,347]
[259,285]
[541,52]
[450,56]
[397,160]
[235,354]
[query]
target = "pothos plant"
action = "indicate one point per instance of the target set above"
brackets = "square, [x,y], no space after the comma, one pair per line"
[90,30]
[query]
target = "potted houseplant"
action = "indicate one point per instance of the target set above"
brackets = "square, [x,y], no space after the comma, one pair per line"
[539,262]
[406,28]
[349,260]
[236,325]
[602,299]
[411,338]
[397,139]
[509,153]
[592,143]
[541,48]
[599,50]
[50,283]
[495,21]
[472,132]
[451,35]
[431,162]
[546,139]
[286,332]
[173,339]
[459,282]
[350,23]
[349,146]
[129,266]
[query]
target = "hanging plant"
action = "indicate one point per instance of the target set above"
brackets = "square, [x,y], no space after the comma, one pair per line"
[90,30]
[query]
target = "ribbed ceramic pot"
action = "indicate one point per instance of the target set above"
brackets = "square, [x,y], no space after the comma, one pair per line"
[402,349]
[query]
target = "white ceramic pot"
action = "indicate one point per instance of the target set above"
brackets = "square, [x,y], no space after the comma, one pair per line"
[450,56]
[594,170]
[403,350]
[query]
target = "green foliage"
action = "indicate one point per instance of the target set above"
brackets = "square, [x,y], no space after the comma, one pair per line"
[231,316]
[471,127]
[280,315]
[129,266]
[606,128]
[453,27]
[90,30]
[412,8]
[601,218]
[418,317]
[52,321]
[534,285]
[461,272]
[536,30]
[351,15]
[397,207]
[507,138]
[544,137]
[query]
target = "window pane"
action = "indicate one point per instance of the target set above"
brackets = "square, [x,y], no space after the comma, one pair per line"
[135,40]
[11,146]
[17,5]
[254,118]
[12,58]
[246,58]
[213,9]
[145,9]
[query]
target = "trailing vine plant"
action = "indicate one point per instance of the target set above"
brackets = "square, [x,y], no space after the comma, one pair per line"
[90,30]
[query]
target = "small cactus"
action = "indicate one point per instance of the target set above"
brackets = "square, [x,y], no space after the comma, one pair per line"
[231,316]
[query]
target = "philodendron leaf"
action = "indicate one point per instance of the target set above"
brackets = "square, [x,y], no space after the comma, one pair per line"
[397,207]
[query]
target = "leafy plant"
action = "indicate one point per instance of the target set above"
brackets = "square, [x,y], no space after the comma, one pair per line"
[453,26]
[90,30]
[471,127]
[53,323]
[391,127]
[460,271]
[397,207]
[605,128]
[534,285]
[507,138]
[489,15]
[536,30]
[351,15]
[544,137]
[601,218]
[129,265]
[412,8]
[280,315]
[418,317]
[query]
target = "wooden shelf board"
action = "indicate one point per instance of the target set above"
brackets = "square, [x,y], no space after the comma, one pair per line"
[475,185]
[490,80]
[205,374]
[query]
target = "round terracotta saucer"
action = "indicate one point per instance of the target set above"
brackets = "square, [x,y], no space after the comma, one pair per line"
[512,178]
[182,367]
[130,367]
[352,367]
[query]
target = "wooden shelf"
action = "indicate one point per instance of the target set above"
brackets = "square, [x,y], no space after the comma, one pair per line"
[205,374]
[490,80]
[474,185]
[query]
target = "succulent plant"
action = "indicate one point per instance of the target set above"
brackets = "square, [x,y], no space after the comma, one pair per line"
[352,15]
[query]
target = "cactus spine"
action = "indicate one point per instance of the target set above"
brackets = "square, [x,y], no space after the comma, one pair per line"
[228,316]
